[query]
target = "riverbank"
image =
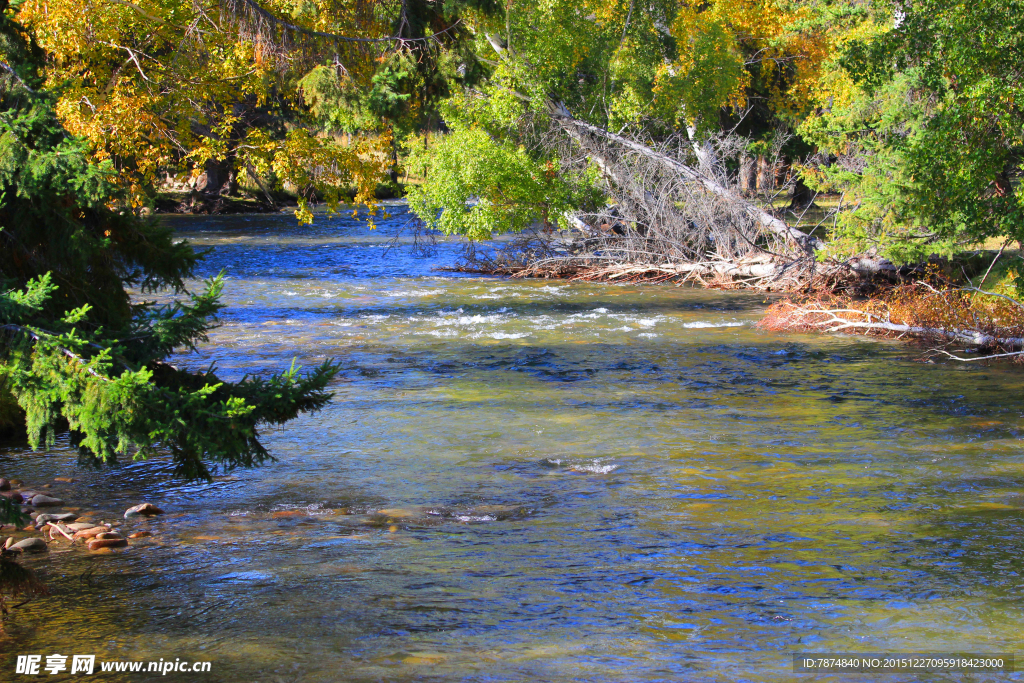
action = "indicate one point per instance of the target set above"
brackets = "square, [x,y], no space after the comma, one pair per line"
[968,302]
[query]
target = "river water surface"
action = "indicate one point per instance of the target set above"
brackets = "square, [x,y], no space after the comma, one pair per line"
[540,480]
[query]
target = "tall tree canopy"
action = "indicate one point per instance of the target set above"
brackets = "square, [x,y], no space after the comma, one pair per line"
[215,90]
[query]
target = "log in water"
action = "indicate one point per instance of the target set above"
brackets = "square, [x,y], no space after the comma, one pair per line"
[525,480]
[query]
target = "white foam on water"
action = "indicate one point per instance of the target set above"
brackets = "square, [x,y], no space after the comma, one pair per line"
[479,319]
[504,335]
[649,335]
[594,468]
[518,292]
[413,292]
[702,324]
[476,518]
[597,466]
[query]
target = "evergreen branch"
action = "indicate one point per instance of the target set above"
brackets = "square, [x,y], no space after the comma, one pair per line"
[35,336]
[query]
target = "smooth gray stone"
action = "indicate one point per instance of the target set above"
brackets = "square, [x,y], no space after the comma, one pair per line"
[39,500]
[31,545]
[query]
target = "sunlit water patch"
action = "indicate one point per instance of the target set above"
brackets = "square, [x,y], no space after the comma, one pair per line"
[523,480]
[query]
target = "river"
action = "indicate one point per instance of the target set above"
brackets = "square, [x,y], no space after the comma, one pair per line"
[550,481]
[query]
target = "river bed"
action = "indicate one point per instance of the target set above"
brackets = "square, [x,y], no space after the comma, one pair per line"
[542,480]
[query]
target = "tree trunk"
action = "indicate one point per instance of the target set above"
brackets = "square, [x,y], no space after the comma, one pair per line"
[803,196]
[748,176]
[219,177]
[393,173]
[765,178]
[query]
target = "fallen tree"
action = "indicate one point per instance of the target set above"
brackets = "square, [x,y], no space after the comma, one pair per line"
[580,131]
[676,211]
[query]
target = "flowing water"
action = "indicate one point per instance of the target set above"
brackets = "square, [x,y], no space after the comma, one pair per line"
[540,480]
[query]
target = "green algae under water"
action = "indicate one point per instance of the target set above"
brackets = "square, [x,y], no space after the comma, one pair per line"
[540,480]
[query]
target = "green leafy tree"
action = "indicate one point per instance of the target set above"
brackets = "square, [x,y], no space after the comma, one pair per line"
[929,137]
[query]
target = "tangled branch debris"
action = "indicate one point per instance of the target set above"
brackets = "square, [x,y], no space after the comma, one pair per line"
[979,320]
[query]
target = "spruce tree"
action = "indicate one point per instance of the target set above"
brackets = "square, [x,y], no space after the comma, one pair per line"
[76,350]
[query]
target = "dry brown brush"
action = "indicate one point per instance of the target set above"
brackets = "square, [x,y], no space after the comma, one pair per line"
[950,320]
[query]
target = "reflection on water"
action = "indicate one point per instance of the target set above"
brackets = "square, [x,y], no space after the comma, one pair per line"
[549,481]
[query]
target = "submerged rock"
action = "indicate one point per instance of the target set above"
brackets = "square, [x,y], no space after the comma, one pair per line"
[31,545]
[5,485]
[92,532]
[499,512]
[63,517]
[397,513]
[97,544]
[13,496]
[145,509]
[140,534]
[39,500]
